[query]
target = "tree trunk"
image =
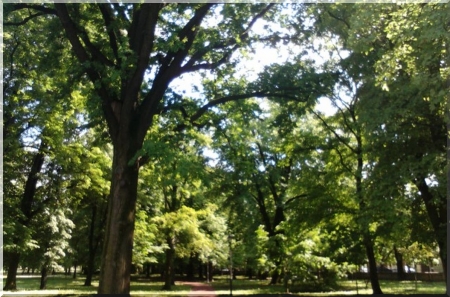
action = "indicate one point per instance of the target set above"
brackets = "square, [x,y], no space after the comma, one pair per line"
[372,267]
[13,265]
[200,270]
[275,276]
[399,260]
[75,271]
[250,273]
[89,271]
[92,248]
[147,270]
[210,269]
[118,243]
[437,213]
[44,274]
[26,207]
[190,268]
[169,269]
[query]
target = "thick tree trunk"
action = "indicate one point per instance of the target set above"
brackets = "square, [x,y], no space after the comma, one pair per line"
[372,267]
[13,265]
[118,244]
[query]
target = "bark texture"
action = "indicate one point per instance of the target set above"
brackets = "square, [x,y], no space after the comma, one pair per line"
[117,250]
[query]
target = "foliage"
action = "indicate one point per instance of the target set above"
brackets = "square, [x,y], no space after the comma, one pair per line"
[238,152]
[199,232]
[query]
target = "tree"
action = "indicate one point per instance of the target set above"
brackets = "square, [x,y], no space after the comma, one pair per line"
[117,45]
[391,100]
[53,246]
[271,167]
[145,247]
[36,124]
[175,178]
[186,232]
[88,173]
[412,72]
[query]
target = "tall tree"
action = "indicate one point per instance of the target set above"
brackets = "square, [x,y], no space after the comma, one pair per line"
[267,164]
[130,54]
[393,109]
[413,72]
[36,124]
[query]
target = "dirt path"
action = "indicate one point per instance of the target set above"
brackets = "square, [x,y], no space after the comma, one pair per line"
[200,289]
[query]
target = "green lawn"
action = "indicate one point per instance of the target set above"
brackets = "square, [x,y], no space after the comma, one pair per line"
[247,287]
[397,287]
[66,285]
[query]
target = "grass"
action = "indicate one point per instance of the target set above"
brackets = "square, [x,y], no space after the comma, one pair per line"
[59,285]
[345,287]
[245,287]
[66,285]
[396,287]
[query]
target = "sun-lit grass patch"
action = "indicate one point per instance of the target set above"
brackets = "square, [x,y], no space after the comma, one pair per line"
[248,287]
[56,284]
[392,287]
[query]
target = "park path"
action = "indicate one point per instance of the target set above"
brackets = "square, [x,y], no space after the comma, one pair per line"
[200,289]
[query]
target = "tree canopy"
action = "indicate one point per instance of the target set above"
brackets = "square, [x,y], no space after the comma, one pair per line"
[142,136]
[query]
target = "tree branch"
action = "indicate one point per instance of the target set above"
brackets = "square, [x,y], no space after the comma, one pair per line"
[295,197]
[95,52]
[94,76]
[108,17]
[189,32]
[170,68]
[333,131]
[341,159]
[338,18]
[215,102]
[142,35]
[41,8]
[190,66]
[24,21]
